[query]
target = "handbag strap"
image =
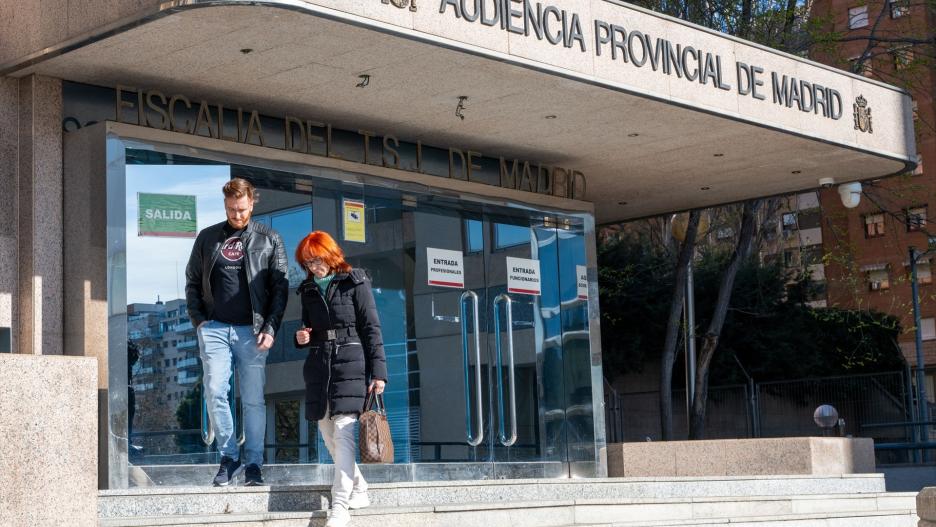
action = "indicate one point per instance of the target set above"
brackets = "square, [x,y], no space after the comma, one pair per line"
[372,399]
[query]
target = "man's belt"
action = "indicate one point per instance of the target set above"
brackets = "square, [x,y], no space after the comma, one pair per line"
[332,334]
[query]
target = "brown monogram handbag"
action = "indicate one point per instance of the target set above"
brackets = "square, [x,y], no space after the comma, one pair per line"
[374,432]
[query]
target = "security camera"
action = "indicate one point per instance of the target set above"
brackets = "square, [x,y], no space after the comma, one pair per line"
[826,182]
[850,194]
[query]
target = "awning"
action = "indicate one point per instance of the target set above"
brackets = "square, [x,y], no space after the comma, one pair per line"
[658,114]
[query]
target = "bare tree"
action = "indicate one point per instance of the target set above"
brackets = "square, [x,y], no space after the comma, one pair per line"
[686,251]
[710,341]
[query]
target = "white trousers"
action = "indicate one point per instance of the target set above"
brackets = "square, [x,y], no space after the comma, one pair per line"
[338,433]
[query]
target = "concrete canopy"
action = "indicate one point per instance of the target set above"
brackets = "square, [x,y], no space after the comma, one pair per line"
[647,142]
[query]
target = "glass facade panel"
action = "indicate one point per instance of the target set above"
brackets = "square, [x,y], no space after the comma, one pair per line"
[450,379]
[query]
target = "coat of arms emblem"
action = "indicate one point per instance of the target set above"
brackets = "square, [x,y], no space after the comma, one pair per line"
[862,115]
[402,4]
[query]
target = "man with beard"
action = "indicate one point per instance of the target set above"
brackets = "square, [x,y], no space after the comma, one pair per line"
[236,290]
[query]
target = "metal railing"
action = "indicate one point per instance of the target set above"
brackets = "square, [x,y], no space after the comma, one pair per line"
[880,406]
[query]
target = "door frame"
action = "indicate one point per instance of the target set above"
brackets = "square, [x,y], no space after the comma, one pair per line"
[109,140]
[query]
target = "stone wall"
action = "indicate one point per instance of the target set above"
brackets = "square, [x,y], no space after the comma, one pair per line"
[48,422]
[742,457]
[926,507]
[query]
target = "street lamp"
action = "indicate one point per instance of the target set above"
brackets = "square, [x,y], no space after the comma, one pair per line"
[918,342]
[678,225]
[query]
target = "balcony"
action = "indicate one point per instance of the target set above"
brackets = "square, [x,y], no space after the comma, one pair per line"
[185,363]
[186,345]
[186,377]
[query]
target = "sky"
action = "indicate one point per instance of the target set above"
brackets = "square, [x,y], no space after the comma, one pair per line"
[156,265]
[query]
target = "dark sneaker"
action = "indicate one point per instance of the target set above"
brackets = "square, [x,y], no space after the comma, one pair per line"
[227,471]
[253,477]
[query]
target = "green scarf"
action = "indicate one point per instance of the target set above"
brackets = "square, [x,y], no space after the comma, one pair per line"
[323,282]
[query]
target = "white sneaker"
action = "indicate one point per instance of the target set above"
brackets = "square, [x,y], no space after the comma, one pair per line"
[339,517]
[358,500]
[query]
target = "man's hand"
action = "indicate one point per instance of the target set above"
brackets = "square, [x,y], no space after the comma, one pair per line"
[264,341]
[376,386]
[302,336]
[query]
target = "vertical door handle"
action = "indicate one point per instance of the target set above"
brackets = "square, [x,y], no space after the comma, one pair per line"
[473,440]
[504,299]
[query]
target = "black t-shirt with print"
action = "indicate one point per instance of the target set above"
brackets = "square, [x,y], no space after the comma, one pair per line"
[229,281]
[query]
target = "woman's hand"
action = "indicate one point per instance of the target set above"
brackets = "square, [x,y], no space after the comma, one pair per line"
[302,336]
[376,386]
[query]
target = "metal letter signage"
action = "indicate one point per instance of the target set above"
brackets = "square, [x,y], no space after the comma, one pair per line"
[862,115]
[402,4]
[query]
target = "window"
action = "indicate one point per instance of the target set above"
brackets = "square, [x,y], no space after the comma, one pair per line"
[808,219]
[858,17]
[874,225]
[811,255]
[928,328]
[903,57]
[790,258]
[924,273]
[507,235]
[474,236]
[788,224]
[899,8]
[878,280]
[916,219]
[724,233]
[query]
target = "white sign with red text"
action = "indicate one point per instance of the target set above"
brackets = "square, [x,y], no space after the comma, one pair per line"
[446,268]
[523,276]
[581,273]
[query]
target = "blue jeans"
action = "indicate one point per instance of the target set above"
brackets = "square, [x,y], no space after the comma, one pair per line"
[221,345]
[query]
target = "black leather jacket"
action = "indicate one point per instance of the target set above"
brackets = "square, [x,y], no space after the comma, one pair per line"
[266,275]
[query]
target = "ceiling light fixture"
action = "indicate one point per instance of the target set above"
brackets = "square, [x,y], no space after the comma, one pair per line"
[719,155]
[550,117]
[622,203]
[246,50]
[706,188]
[632,135]
[797,172]
[365,80]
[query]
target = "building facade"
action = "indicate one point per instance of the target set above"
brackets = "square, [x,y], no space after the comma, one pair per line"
[462,156]
[867,247]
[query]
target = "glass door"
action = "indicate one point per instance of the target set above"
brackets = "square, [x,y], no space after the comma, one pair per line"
[450,326]
[526,345]
[488,334]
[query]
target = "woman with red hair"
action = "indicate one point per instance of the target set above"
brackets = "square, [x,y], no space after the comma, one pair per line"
[345,362]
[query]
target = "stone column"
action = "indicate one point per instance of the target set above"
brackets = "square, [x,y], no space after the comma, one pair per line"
[39,217]
[926,507]
[9,103]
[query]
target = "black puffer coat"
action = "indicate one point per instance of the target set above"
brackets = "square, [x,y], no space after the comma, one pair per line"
[339,371]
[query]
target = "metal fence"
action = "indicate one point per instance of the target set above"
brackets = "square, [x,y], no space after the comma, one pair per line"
[777,409]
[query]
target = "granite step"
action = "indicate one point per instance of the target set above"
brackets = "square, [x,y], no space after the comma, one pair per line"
[176,501]
[557,514]
[872,509]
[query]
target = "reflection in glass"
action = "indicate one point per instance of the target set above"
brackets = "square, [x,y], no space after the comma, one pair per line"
[426,393]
